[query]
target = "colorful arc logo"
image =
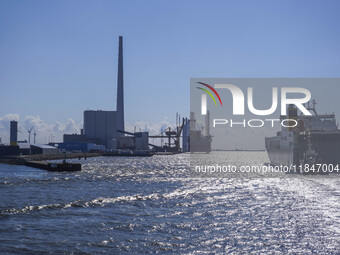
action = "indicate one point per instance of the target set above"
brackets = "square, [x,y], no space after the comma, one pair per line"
[209,93]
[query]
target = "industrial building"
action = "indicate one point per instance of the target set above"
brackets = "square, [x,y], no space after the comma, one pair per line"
[107,128]
[135,141]
[24,148]
[141,140]
[101,129]
[74,138]
[43,149]
[100,126]
[6,150]
[79,147]
[16,147]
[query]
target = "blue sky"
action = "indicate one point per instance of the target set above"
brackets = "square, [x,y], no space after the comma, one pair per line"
[59,58]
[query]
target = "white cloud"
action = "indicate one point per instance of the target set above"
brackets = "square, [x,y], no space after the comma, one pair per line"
[42,129]
[5,120]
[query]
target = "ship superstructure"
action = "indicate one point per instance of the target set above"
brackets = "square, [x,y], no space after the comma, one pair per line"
[199,142]
[316,139]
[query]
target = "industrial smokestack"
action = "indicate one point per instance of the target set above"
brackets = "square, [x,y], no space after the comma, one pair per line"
[14,133]
[120,88]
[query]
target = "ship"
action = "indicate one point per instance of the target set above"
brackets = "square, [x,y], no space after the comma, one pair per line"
[199,142]
[315,140]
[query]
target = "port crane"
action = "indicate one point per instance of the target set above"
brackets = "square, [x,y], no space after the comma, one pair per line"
[173,136]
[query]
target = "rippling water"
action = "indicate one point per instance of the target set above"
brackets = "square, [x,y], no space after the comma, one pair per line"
[119,205]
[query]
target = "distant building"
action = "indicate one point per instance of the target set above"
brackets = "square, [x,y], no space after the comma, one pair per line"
[79,147]
[126,142]
[142,141]
[43,149]
[16,147]
[6,150]
[24,148]
[101,126]
[74,138]
[107,128]
[136,141]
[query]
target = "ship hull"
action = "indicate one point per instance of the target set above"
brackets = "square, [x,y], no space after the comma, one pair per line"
[326,145]
[199,143]
[279,157]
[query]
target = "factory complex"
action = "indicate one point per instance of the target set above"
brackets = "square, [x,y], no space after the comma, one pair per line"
[104,131]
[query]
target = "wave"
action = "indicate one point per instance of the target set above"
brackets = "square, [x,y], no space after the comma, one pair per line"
[102,201]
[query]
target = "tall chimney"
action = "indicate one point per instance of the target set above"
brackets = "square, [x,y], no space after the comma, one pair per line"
[120,88]
[14,133]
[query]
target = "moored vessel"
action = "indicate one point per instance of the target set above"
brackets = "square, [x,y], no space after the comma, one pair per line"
[314,141]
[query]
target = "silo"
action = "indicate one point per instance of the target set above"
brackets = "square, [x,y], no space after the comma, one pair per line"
[14,133]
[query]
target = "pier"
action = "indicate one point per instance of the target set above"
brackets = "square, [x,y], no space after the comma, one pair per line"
[21,160]
[55,167]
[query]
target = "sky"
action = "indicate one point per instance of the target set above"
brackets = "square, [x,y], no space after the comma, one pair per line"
[59,58]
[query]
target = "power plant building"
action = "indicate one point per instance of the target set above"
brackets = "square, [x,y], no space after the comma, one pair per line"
[100,126]
[107,127]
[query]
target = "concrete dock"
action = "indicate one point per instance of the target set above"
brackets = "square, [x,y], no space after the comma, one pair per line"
[55,167]
[21,160]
